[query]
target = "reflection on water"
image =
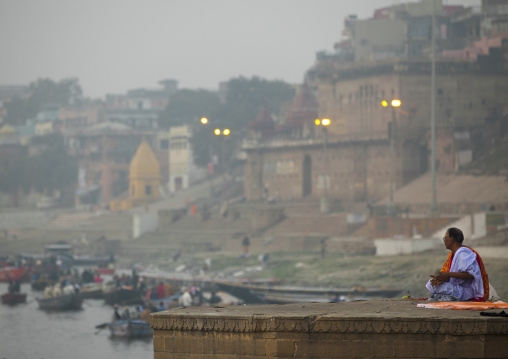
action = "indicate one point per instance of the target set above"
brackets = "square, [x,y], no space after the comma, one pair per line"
[27,332]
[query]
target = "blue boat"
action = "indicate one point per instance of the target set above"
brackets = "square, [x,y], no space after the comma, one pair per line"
[131,328]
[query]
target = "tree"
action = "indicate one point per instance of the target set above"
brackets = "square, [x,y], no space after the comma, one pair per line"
[246,97]
[186,107]
[41,93]
[51,169]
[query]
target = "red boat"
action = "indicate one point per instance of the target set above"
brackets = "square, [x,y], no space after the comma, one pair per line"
[12,273]
[108,271]
[14,298]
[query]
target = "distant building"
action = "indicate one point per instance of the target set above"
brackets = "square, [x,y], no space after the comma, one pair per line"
[75,117]
[104,152]
[350,85]
[139,108]
[182,170]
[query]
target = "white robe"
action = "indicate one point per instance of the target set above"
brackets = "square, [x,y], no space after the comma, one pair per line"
[464,260]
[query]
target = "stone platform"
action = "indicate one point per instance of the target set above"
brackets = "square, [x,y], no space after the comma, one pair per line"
[360,329]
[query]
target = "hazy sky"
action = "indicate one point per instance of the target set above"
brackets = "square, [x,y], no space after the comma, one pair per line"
[116,45]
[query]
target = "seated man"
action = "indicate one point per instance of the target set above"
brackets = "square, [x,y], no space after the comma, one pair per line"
[463,276]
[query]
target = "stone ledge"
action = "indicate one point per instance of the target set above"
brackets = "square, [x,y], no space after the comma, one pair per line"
[365,317]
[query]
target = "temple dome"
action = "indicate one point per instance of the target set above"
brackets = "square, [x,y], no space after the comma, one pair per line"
[304,108]
[144,164]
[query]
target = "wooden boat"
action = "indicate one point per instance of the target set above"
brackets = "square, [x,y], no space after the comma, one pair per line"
[262,294]
[13,298]
[123,296]
[61,303]
[107,271]
[85,260]
[12,273]
[92,291]
[131,328]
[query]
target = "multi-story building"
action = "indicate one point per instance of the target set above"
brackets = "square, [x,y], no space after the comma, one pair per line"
[74,117]
[139,108]
[369,150]
[182,170]
[104,152]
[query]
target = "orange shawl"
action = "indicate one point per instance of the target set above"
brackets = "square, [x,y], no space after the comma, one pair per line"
[485,277]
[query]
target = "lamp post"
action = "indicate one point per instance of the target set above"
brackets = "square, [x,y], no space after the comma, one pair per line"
[325,122]
[224,132]
[395,103]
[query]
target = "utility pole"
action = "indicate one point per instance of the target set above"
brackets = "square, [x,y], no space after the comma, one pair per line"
[325,122]
[433,108]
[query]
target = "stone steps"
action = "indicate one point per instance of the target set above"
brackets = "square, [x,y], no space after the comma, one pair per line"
[69,220]
[331,225]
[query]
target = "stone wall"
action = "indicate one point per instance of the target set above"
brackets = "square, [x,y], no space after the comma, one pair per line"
[366,329]
[355,171]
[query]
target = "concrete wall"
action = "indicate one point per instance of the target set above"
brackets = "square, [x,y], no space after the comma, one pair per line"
[392,247]
[144,223]
[386,227]
[355,171]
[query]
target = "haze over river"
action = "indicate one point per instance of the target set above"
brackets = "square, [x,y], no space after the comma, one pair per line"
[26,332]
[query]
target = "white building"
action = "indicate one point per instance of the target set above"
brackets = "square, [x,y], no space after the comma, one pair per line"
[182,170]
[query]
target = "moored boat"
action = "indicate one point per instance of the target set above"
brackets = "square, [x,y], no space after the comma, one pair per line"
[61,303]
[40,284]
[131,328]
[106,271]
[12,273]
[261,294]
[123,296]
[13,298]
[92,291]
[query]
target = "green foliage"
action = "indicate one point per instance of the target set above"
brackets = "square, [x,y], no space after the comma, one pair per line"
[41,93]
[186,107]
[51,169]
[245,98]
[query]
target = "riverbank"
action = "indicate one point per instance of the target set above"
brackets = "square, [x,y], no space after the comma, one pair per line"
[406,272]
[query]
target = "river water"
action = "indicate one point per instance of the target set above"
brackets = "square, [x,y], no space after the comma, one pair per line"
[26,332]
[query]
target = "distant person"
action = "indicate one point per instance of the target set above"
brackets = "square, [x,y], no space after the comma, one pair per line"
[177,255]
[185,299]
[11,287]
[160,290]
[463,276]
[48,291]
[245,245]
[161,307]
[323,247]
[214,298]
[116,315]
[126,315]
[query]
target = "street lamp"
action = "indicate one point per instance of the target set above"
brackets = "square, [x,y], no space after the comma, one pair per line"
[325,122]
[394,103]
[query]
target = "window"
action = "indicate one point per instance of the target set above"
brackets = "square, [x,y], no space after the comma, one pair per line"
[148,190]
